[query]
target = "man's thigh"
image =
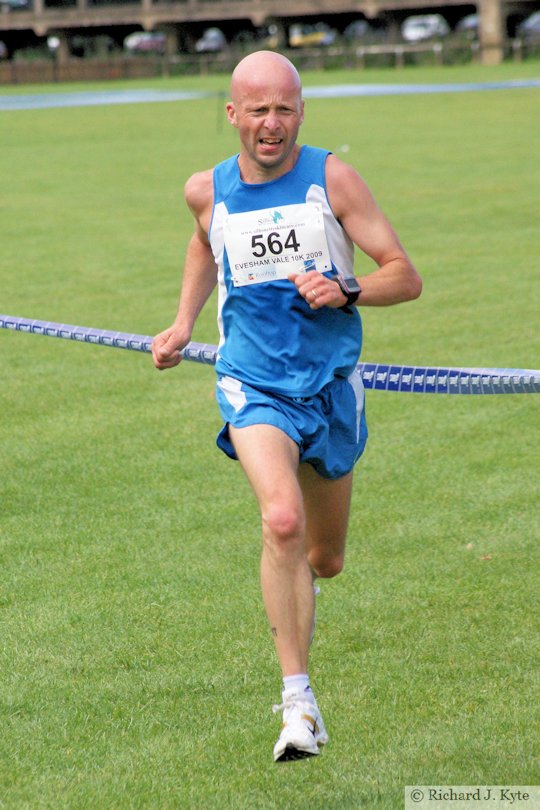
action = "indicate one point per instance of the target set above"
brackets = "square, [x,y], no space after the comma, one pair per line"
[269,458]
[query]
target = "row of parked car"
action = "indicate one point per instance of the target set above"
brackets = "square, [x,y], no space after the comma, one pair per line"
[212,41]
[417,28]
[434,26]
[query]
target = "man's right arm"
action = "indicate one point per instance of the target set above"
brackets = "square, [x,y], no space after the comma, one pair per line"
[199,277]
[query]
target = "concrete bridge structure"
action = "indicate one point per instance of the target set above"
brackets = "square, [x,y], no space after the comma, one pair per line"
[176,17]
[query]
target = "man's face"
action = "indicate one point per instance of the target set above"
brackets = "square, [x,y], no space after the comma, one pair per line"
[268,116]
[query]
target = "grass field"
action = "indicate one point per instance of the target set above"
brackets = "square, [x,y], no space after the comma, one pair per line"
[136,666]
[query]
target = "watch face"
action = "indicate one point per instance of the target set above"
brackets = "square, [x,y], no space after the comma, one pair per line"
[350,285]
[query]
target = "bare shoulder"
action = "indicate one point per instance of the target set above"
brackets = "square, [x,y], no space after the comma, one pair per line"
[345,185]
[199,192]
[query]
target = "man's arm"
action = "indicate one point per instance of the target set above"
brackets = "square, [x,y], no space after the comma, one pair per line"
[395,279]
[199,277]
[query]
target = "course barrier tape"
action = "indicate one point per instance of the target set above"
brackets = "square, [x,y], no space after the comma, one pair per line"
[377,376]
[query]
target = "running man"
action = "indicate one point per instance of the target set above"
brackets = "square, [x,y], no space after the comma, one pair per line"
[275,229]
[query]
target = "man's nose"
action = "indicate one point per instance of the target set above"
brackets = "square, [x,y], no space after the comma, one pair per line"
[271,121]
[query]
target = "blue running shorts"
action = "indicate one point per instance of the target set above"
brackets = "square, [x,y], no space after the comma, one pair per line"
[329,428]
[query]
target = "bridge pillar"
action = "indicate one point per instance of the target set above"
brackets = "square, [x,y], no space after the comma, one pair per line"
[492,31]
[171,40]
[62,52]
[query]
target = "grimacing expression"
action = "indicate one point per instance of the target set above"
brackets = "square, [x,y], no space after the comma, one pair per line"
[268,114]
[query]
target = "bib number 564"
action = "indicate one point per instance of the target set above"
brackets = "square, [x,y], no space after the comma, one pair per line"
[260,245]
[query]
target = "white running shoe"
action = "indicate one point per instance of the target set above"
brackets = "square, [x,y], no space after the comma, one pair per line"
[303,731]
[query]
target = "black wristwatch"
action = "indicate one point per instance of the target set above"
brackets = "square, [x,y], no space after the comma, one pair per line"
[350,288]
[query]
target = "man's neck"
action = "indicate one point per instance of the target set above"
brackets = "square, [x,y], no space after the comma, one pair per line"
[253,174]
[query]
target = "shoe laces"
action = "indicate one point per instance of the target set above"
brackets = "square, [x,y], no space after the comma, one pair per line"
[289,703]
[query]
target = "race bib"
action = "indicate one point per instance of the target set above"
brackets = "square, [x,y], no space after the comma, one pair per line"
[274,242]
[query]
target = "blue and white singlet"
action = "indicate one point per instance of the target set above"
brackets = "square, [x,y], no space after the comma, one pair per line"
[269,336]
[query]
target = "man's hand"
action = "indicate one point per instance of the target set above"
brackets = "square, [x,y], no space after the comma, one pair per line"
[318,290]
[166,348]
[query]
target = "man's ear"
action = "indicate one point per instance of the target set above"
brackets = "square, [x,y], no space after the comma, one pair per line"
[231,114]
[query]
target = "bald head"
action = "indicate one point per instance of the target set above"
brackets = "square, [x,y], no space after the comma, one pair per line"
[266,108]
[264,69]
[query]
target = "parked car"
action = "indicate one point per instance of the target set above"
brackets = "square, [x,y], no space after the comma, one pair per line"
[420,27]
[265,36]
[358,29]
[311,36]
[469,26]
[145,42]
[14,4]
[530,28]
[212,41]
[268,36]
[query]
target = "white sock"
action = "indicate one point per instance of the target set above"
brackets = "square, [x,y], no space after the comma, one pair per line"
[299,683]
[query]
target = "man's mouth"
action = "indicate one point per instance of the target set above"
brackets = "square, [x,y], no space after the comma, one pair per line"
[270,141]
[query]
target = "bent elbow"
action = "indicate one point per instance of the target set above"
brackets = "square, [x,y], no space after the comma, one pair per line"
[414,285]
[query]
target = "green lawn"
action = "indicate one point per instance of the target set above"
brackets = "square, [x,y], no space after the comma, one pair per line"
[136,666]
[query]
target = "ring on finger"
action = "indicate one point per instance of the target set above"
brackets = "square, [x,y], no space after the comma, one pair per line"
[314,293]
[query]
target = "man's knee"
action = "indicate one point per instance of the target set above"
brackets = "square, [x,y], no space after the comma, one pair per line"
[283,526]
[325,565]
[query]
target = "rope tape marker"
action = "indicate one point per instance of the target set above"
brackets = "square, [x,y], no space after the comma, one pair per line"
[375,376]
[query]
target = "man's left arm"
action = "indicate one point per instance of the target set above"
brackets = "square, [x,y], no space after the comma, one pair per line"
[395,279]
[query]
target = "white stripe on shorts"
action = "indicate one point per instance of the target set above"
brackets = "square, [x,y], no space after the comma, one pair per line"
[233,391]
[359,393]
